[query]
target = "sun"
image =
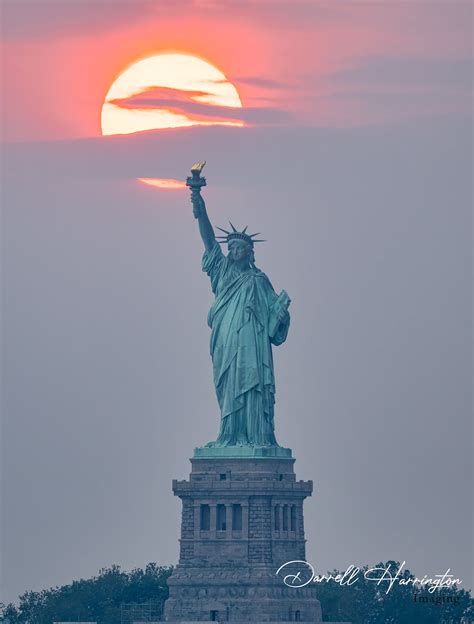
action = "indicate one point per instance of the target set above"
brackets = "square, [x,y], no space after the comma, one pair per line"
[169,91]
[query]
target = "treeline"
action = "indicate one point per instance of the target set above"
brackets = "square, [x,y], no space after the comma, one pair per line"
[98,599]
[366,602]
[108,597]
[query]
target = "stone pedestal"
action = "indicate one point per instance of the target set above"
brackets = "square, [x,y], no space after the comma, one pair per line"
[242,518]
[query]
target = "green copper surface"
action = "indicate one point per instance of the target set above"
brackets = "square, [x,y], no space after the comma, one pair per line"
[246,319]
[254,452]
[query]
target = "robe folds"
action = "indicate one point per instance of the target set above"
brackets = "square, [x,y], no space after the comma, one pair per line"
[241,350]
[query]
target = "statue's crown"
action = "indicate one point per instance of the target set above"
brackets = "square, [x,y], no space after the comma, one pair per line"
[235,234]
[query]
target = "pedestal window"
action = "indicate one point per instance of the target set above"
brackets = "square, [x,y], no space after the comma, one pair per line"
[221,523]
[276,519]
[237,517]
[293,518]
[205,520]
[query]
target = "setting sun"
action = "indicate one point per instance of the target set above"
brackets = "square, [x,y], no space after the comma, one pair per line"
[169,91]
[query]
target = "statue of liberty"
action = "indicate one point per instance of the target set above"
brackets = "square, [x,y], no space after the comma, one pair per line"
[246,319]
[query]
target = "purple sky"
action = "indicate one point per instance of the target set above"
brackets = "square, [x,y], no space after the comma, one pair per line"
[356,167]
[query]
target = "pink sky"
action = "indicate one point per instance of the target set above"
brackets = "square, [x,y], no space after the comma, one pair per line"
[324,64]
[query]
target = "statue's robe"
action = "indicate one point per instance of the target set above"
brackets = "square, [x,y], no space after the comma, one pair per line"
[241,350]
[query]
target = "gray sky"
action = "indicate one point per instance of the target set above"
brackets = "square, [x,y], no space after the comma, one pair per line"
[107,380]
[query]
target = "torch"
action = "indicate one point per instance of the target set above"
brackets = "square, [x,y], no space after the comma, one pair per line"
[195,181]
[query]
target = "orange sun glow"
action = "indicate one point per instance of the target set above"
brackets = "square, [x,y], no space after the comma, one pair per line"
[187,91]
[164,183]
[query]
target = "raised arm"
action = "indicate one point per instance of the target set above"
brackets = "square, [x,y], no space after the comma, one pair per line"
[205,228]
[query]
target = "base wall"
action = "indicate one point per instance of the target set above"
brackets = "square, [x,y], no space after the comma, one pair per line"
[242,519]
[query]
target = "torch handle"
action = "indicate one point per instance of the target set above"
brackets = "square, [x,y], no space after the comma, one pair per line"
[195,182]
[196,196]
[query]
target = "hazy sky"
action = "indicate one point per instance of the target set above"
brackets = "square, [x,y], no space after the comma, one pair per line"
[356,167]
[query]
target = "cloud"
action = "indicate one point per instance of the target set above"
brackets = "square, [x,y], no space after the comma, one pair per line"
[169,153]
[178,101]
[40,19]
[276,11]
[266,83]
[47,18]
[427,72]
[382,89]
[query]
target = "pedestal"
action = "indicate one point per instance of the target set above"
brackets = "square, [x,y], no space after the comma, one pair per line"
[242,518]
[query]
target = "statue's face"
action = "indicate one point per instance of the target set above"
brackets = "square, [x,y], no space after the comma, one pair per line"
[239,251]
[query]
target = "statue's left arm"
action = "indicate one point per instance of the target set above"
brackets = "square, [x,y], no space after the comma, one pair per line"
[279,317]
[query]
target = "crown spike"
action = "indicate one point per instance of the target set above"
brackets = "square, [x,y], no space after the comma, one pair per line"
[237,235]
[222,230]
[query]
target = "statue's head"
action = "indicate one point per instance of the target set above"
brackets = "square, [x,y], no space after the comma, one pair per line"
[240,244]
[240,251]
